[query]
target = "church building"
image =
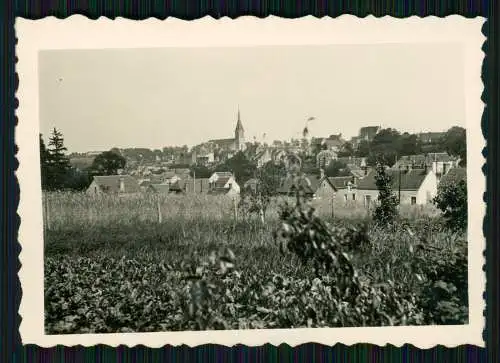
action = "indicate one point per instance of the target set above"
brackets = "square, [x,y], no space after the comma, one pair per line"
[236,144]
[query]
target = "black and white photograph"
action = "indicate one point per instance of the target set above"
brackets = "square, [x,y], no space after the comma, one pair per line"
[256,187]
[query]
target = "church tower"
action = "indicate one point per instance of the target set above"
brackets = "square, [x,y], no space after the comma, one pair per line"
[239,134]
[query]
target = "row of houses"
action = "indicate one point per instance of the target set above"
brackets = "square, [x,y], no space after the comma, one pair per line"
[220,183]
[415,180]
[417,186]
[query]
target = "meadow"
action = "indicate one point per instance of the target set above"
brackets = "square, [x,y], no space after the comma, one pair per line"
[118,264]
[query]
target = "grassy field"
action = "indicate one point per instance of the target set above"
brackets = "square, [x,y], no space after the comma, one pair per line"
[126,264]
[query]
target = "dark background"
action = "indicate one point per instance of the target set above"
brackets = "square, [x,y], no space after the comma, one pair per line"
[11,348]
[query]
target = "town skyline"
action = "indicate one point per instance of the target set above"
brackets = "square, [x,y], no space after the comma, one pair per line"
[154,98]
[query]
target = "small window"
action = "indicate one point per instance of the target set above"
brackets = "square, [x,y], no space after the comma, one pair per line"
[413,200]
[345,197]
[353,196]
[368,199]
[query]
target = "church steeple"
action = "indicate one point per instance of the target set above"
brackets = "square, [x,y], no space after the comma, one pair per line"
[239,133]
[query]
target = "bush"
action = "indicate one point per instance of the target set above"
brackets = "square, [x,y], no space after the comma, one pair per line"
[452,201]
[386,212]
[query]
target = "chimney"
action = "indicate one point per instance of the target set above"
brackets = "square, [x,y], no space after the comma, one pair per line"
[122,185]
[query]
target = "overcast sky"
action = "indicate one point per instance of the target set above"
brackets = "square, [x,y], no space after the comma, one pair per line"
[173,96]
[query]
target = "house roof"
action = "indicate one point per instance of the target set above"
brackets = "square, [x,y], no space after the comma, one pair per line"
[340,182]
[424,159]
[310,183]
[410,179]
[358,173]
[223,174]
[200,185]
[221,182]
[441,157]
[111,183]
[453,176]
[160,188]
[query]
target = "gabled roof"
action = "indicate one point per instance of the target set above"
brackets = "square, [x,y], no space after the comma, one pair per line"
[111,183]
[410,179]
[453,176]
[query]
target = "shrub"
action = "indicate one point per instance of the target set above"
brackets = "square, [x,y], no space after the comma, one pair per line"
[452,201]
[386,212]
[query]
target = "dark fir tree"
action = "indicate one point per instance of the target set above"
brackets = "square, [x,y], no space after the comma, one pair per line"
[58,163]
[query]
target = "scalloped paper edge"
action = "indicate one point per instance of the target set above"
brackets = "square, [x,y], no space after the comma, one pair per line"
[77,32]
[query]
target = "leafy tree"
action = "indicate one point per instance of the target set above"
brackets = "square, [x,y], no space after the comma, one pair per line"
[337,168]
[78,180]
[347,150]
[58,162]
[386,212]
[363,149]
[454,142]
[256,198]
[409,145]
[242,168]
[452,201]
[107,163]
[386,145]
[200,171]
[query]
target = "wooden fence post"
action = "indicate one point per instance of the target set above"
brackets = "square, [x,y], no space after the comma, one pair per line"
[235,209]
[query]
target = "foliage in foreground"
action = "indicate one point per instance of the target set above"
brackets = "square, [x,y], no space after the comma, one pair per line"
[150,277]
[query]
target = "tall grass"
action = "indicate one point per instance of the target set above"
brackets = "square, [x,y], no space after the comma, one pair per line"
[70,210]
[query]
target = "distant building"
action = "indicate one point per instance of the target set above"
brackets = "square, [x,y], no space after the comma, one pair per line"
[345,186]
[417,186]
[440,163]
[236,144]
[368,133]
[113,184]
[324,158]
[262,157]
[225,185]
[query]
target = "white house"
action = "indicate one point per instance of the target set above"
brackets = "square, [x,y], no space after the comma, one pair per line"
[412,186]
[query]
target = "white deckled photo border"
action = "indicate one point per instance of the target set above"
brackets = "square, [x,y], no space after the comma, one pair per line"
[78,32]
